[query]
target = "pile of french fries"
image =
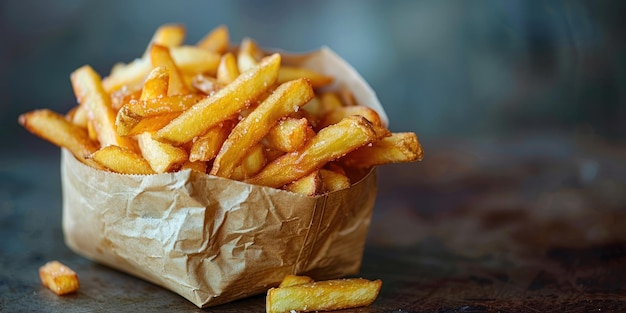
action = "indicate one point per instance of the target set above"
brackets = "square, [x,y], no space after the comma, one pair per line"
[233,112]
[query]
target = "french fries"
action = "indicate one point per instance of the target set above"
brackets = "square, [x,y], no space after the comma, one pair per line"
[59,278]
[234,112]
[299,294]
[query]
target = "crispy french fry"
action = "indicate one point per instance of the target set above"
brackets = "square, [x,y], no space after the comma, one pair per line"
[194,60]
[286,99]
[198,166]
[252,163]
[78,116]
[216,40]
[162,157]
[329,144]
[160,56]
[157,84]
[333,181]
[399,147]
[121,160]
[323,295]
[206,147]
[287,73]
[292,280]
[54,128]
[227,70]
[59,278]
[330,101]
[89,92]
[167,35]
[129,76]
[337,114]
[249,55]
[308,185]
[222,105]
[289,134]
[138,116]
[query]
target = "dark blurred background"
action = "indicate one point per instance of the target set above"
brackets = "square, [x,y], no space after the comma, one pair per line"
[443,69]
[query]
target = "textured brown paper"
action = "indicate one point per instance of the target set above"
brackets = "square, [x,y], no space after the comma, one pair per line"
[214,240]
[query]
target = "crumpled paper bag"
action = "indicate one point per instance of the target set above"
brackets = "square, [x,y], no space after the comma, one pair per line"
[214,240]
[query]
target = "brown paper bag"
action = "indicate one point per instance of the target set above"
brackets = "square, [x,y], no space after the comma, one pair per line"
[214,240]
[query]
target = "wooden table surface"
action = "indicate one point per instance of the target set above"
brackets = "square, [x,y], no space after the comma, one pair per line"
[518,224]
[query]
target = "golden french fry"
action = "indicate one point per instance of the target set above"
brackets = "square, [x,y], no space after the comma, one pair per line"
[323,295]
[157,84]
[329,144]
[249,55]
[91,130]
[138,116]
[130,125]
[167,35]
[59,278]
[287,98]
[399,147]
[216,40]
[194,60]
[333,181]
[227,70]
[129,76]
[292,280]
[206,147]
[289,134]
[287,73]
[337,114]
[162,157]
[251,164]
[222,105]
[198,166]
[330,101]
[78,116]
[121,160]
[160,56]
[308,185]
[54,128]
[89,92]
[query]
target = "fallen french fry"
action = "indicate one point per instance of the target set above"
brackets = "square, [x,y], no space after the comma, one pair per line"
[323,295]
[59,278]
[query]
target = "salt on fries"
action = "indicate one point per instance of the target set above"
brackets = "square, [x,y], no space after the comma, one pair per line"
[236,113]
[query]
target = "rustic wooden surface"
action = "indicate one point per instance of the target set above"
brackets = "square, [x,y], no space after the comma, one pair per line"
[526,224]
